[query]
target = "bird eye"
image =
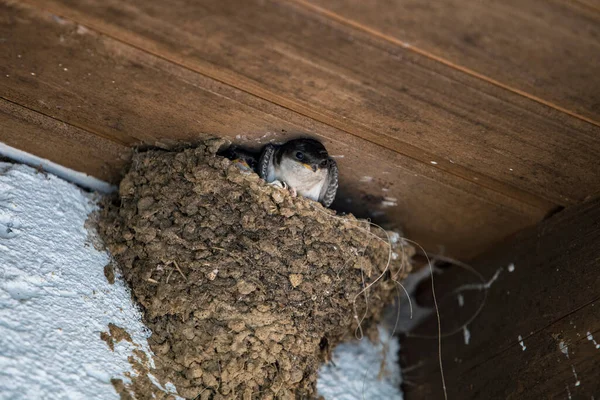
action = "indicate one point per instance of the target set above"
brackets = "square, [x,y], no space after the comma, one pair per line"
[323,163]
[300,156]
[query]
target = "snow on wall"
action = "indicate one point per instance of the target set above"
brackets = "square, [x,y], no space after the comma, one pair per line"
[55,301]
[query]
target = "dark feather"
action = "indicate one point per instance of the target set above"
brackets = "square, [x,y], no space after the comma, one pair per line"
[265,159]
[331,184]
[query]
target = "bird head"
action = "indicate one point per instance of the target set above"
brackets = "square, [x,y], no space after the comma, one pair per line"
[309,153]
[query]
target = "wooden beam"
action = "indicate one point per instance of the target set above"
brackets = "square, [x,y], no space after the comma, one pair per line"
[545,50]
[367,87]
[64,144]
[153,100]
[535,336]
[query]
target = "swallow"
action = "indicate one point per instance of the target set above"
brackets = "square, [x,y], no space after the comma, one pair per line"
[304,166]
[246,160]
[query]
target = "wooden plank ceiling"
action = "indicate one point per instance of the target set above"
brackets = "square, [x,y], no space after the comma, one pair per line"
[535,337]
[461,122]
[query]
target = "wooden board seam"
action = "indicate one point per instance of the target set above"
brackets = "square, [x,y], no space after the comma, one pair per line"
[247,86]
[516,342]
[128,142]
[534,326]
[358,26]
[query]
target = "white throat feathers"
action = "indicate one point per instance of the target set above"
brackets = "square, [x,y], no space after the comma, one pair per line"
[306,182]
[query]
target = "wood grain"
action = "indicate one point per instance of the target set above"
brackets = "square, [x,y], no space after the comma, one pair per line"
[549,50]
[64,144]
[543,370]
[367,87]
[551,296]
[153,100]
[589,5]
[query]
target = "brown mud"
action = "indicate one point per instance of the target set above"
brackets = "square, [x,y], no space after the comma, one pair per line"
[245,289]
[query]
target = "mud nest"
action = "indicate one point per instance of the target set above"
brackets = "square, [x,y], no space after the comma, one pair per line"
[245,289]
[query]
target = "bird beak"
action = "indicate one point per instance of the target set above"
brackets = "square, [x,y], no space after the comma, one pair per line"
[313,168]
[242,162]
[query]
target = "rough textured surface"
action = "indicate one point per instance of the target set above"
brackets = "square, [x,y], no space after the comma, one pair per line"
[55,299]
[245,288]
